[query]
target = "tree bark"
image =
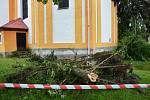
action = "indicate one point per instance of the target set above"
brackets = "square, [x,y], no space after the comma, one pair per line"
[86,75]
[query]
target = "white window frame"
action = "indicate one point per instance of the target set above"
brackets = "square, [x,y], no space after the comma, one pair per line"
[21,9]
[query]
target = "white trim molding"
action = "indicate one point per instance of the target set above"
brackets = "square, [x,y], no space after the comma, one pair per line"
[45,24]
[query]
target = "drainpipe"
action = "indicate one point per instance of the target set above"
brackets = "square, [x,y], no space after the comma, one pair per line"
[89,28]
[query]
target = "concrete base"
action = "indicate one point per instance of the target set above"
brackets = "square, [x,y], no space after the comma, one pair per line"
[69,52]
[63,52]
[5,54]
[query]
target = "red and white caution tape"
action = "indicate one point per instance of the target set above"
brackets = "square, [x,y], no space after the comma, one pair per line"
[73,87]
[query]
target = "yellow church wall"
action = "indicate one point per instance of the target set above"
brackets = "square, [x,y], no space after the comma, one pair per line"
[49,23]
[99,22]
[78,21]
[38,25]
[93,23]
[13,9]
[2,47]
[38,11]
[116,26]
[27,45]
[33,23]
[113,22]
[10,41]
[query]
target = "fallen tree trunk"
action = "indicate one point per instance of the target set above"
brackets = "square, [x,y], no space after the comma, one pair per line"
[127,66]
[86,75]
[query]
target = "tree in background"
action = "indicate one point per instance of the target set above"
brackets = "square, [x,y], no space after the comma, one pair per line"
[134,28]
[133,15]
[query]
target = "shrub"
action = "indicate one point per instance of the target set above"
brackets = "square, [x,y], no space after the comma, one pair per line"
[134,47]
[37,58]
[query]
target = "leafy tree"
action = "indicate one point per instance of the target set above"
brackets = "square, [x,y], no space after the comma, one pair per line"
[133,15]
[134,28]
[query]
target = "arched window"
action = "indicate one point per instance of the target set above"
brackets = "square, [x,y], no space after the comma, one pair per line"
[24,9]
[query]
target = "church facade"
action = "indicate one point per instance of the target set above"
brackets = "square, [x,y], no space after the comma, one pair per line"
[72,27]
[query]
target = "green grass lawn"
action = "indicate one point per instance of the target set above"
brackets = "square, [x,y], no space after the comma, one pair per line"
[6,66]
[141,68]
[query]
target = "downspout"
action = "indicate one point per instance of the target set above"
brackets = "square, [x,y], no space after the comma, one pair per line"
[89,28]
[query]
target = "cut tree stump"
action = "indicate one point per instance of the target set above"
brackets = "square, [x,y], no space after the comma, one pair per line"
[86,75]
